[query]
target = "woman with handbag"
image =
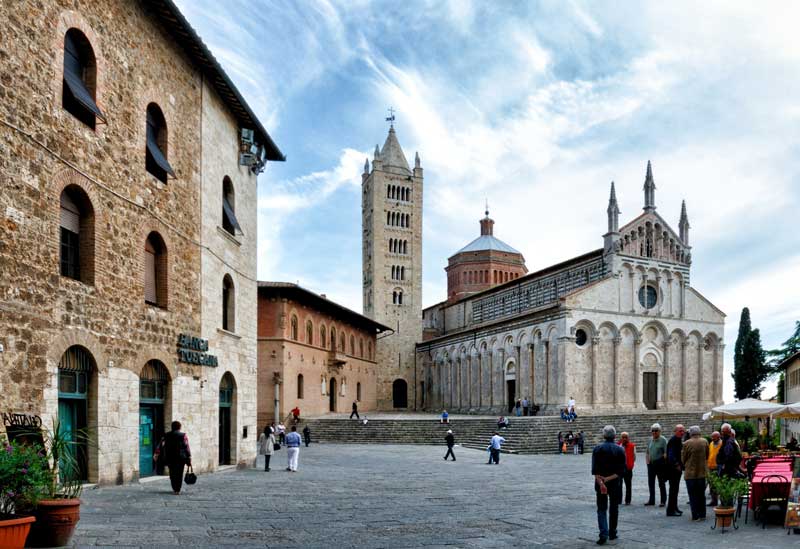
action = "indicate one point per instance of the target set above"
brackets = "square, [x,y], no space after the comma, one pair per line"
[176,455]
[266,446]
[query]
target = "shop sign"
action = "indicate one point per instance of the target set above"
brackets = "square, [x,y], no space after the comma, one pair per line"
[11,419]
[194,350]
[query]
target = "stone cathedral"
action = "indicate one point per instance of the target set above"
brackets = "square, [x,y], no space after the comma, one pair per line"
[618,328]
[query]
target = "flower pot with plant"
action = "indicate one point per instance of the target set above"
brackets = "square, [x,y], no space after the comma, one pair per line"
[23,476]
[728,489]
[58,510]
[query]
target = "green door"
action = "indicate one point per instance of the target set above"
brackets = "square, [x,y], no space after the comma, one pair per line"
[146,442]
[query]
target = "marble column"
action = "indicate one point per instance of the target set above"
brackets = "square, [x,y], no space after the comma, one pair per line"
[595,343]
[518,372]
[469,380]
[700,377]
[669,284]
[480,380]
[683,372]
[532,362]
[665,397]
[491,378]
[501,374]
[718,372]
[546,372]
[615,363]
[632,275]
[637,374]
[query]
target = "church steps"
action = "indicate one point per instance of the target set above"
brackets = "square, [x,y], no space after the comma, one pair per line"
[527,435]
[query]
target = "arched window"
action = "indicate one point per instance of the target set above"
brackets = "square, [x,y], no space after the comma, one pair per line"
[229,221]
[76,235]
[352,345]
[392,272]
[358,391]
[299,385]
[333,338]
[361,347]
[309,332]
[389,191]
[341,343]
[157,144]
[79,88]
[369,349]
[294,328]
[388,218]
[228,304]
[323,342]
[405,246]
[394,298]
[400,298]
[155,270]
[402,273]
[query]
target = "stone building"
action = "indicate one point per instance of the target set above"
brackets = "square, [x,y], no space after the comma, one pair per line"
[618,328]
[391,214]
[791,372]
[128,174]
[313,354]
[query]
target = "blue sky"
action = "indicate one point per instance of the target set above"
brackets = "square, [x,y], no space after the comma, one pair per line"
[535,106]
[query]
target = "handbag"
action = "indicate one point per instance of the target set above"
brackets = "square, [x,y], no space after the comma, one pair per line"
[276,446]
[190,477]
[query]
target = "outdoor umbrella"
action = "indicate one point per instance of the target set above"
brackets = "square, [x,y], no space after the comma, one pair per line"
[789,411]
[747,407]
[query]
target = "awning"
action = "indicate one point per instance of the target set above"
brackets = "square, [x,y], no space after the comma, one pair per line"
[227,211]
[158,156]
[747,407]
[81,94]
[790,411]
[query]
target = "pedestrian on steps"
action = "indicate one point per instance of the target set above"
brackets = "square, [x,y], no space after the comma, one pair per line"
[355,411]
[518,408]
[293,449]
[266,446]
[451,441]
[306,435]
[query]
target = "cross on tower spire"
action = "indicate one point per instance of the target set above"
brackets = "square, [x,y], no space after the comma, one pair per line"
[390,118]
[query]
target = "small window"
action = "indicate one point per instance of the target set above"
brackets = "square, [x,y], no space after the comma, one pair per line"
[155,270]
[648,296]
[294,328]
[229,221]
[156,144]
[228,304]
[580,337]
[341,343]
[80,79]
[323,342]
[76,235]
[369,350]
[361,347]
[309,332]
[300,386]
[358,391]
[352,345]
[333,338]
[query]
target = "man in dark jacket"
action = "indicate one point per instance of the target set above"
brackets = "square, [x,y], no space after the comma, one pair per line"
[450,440]
[608,468]
[306,435]
[729,457]
[674,470]
[177,454]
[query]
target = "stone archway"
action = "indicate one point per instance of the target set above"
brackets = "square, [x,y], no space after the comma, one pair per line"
[511,384]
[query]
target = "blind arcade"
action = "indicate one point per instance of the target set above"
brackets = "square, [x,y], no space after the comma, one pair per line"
[194,350]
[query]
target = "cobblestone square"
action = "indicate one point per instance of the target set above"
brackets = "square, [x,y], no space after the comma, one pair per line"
[394,496]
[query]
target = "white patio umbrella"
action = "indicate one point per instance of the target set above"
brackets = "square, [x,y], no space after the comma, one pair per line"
[790,411]
[747,407]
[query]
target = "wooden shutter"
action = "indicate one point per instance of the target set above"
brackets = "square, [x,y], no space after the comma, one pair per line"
[150,293]
[70,214]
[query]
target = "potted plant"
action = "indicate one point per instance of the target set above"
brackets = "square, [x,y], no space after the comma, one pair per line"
[23,475]
[58,509]
[727,490]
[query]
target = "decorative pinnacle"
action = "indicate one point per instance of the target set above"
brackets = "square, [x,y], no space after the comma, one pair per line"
[649,175]
[366,165]
[487,207]
[684,216]
[649,190]
[612,200]
[416,160]
[377,154]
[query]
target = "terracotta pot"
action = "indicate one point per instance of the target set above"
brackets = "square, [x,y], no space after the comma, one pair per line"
[724,516]
[55,522]
[14,531]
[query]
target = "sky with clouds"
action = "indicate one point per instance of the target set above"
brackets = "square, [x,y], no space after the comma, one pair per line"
[535,106]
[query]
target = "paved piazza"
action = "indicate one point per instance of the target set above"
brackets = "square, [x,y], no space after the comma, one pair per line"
[393,496]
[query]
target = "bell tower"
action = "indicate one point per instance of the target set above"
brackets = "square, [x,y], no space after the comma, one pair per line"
[391,213]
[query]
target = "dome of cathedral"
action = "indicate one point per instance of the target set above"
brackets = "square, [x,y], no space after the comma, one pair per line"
[487,242]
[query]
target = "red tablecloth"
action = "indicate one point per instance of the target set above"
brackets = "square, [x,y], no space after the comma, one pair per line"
[765,469]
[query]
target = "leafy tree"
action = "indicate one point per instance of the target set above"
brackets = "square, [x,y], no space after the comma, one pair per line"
[787,348]
[750,369]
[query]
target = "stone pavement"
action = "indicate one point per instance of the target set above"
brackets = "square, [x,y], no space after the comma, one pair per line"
[394,496]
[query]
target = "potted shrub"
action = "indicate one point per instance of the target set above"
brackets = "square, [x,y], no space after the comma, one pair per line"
[727,490]
[58,508]
[23,476]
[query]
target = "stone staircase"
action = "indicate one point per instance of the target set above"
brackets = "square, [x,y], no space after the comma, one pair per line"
[525,435]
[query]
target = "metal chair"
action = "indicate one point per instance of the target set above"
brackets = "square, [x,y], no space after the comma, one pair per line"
[774,494]
[744,499]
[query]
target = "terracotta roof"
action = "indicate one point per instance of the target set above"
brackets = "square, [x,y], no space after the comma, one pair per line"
[321,303]
[179,28]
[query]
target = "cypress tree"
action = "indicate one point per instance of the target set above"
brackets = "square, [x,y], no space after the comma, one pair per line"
[745,328]
[754,367]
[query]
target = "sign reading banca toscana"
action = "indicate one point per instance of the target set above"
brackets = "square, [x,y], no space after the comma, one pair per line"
[194,350]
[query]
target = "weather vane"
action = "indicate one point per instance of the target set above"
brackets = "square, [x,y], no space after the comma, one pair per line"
[390,118]
[487,207]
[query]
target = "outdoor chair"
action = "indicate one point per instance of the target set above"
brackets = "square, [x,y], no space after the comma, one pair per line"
[774,494]
[744,499]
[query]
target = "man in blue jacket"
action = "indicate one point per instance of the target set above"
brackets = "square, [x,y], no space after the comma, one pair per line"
[608,468]
[293,448]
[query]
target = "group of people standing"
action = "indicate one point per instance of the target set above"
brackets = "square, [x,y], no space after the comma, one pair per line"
[568,441]
[268,445]
[685,454]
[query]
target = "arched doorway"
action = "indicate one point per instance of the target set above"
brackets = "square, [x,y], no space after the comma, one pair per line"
[332,395]
[227,391]
[153,387]
[511,386]
[400,393]
[75,384]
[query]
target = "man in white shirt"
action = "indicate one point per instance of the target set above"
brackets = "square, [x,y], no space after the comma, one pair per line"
[571,410]
[293,449]
[494,446]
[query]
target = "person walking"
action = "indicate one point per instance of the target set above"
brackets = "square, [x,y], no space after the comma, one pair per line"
[525,406]
[293,449]
[694,456]
[608,468]
[177,455]
[496,445]
[655,458]
[296,414]
[713,450]
[306,435]
[355,411]
[674,469]
[451,441]
[630,459]
[266,446]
